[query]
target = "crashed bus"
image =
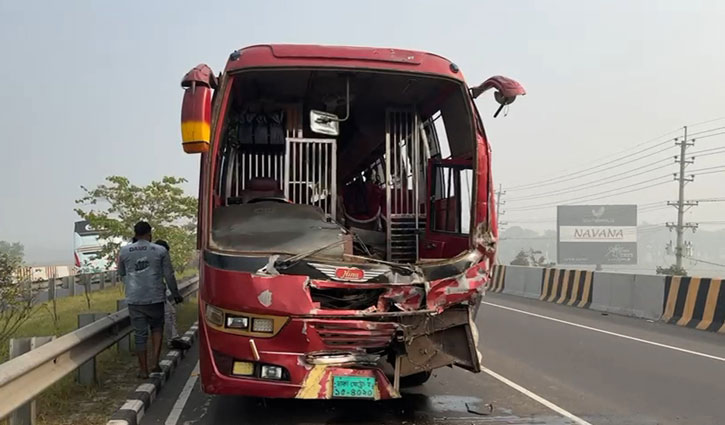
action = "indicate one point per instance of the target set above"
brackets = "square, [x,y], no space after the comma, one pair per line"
[346,219]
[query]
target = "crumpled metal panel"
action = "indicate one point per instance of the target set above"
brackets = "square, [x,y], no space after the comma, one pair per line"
[457,289]
[406,298]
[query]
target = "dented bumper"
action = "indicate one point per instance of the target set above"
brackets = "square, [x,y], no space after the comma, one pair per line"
[409,328]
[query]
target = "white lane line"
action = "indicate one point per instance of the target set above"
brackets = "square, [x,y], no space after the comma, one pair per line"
[631,338]
[175,413]
[536,397]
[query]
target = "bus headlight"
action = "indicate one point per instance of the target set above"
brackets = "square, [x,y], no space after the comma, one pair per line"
[271,372]
[262,325]
[243,323]
[214,315]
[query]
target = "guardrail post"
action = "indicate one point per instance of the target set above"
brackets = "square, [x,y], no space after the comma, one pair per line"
[51,288]
[87,371]
[102,280]
[124,344]
[25,414]
[72,285]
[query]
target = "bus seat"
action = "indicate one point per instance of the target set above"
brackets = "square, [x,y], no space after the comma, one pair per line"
[259,187]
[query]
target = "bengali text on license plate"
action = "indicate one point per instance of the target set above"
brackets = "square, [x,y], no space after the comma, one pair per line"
[353,386]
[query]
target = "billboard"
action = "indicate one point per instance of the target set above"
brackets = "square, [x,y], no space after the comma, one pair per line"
[596,234]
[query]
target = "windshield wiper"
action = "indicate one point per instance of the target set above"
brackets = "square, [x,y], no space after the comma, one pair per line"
[290,261]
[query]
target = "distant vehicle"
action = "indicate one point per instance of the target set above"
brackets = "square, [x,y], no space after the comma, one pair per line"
[88,248]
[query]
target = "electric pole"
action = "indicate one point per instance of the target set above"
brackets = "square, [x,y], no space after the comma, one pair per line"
[500,223]
[681,204]
[499,202]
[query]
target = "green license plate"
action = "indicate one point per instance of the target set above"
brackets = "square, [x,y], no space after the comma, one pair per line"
[353,386]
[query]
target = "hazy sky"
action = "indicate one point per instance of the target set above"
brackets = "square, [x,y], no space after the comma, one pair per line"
[91,89]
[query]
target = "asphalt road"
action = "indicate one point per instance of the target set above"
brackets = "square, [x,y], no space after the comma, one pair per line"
[546,364]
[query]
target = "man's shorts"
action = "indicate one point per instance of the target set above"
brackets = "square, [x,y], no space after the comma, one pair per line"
[143,317]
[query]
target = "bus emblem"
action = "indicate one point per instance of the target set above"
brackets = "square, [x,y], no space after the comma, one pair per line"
[345,273]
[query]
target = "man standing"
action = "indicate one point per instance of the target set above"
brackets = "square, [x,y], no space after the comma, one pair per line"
[144,266]
[172,334]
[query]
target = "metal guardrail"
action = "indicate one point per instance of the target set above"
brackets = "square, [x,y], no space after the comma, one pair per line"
[26,376]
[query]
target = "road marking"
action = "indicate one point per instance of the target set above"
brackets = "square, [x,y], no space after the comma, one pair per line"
[632,338]
[536,397]
[175,413]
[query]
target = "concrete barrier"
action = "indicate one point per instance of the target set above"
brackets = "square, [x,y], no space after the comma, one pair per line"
[570,287]
[523,281]
[628,294]
[685,301]
[497,282]
[695,302]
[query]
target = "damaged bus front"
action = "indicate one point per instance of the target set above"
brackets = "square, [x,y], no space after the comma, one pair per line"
[346,219]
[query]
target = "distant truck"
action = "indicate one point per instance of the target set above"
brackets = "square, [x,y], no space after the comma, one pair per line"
[88,249]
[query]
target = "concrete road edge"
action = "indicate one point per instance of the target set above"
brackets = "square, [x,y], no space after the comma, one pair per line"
[138,402]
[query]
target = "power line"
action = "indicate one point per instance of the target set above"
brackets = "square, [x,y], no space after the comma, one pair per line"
[539,206]
[554,179]
[706,262]
[709,154]
[577,174]
[707,131]
[707,150]
[711,172]
[710,135]
[706,169]
[703,122]
[603,182]
[711,200]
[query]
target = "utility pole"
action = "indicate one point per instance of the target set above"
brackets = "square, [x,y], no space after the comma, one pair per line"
[681,204]
[499,202]
[499,213]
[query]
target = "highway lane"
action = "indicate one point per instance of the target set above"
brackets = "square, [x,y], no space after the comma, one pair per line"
[632,374]
[606,377]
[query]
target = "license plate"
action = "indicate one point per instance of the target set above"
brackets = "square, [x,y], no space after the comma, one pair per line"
[353,386]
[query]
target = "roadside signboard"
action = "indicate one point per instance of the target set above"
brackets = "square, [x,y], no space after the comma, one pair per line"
[597,234]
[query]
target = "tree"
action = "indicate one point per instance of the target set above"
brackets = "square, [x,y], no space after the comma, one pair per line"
[16,298]
[672,270]
[114,207]
[528,258]
[522,259]
[15,249]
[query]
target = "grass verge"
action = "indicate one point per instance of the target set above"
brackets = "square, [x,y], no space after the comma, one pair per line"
[68,402]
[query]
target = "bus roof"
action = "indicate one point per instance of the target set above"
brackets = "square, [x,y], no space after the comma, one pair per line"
[376,58]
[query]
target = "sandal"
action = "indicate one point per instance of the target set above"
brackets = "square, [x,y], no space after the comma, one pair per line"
[142,375]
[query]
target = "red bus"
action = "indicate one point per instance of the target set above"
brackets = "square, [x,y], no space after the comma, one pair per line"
[346,222]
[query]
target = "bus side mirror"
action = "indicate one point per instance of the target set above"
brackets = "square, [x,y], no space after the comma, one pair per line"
[198,85]
[506,90]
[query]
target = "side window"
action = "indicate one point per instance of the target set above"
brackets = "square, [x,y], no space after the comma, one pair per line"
[435,132]
[451,199]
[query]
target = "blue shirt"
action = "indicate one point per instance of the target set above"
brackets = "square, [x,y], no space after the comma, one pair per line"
[143,266]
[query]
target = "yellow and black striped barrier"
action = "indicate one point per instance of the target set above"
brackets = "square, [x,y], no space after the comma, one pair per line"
[570,287]
[496,284]
[695,302]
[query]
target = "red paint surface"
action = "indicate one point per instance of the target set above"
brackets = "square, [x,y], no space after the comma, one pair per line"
[311,328]
[341,56]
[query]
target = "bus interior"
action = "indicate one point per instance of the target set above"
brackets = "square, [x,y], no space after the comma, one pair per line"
[380,179]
